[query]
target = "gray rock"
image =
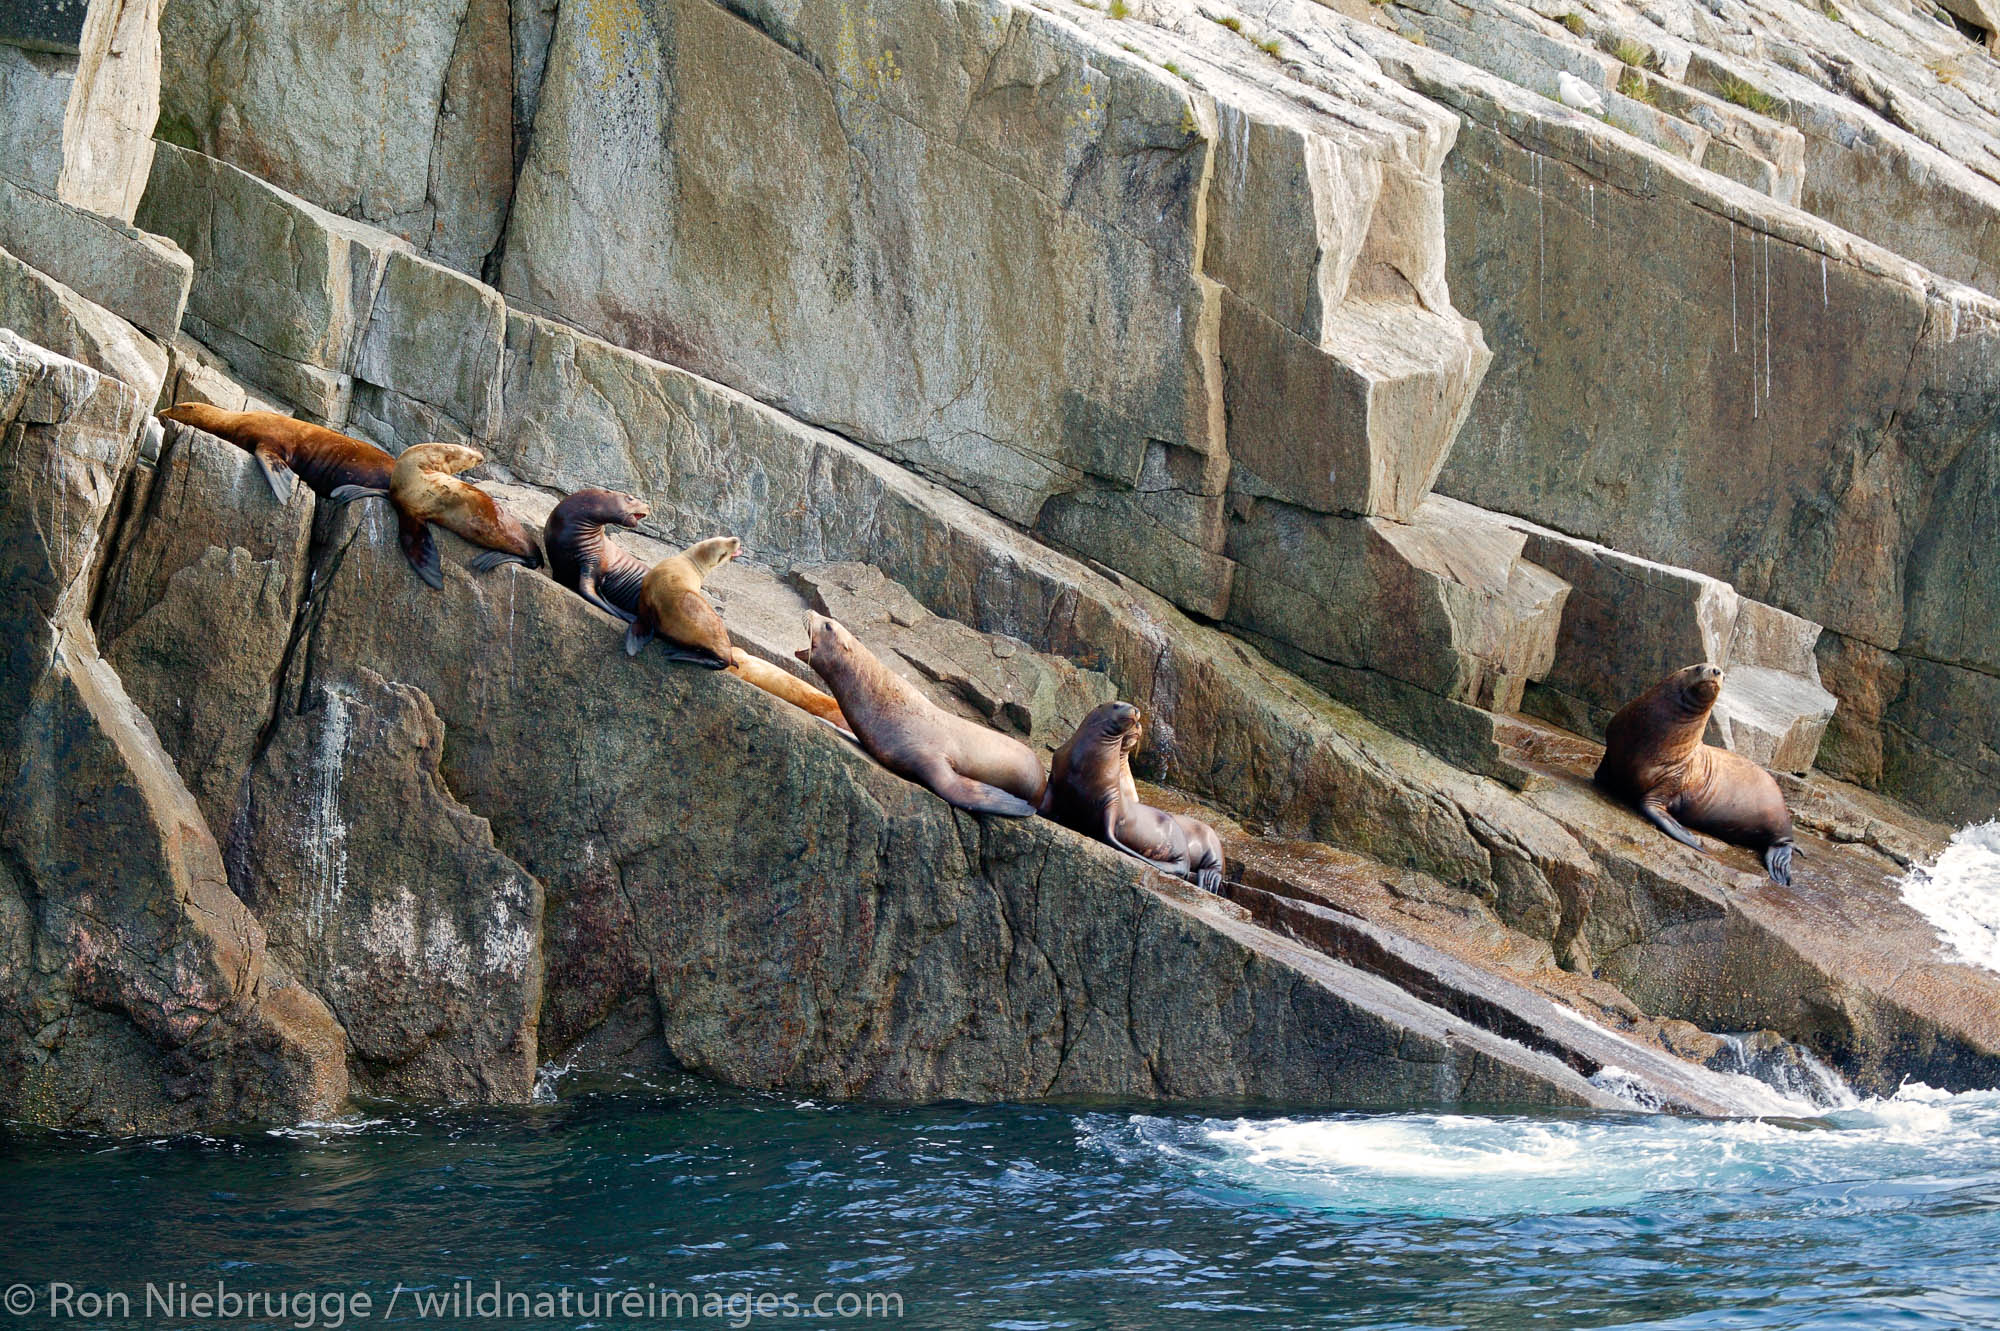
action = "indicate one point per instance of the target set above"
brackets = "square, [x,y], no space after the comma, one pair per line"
[50,314]
[207,557]
[426,154]
[141,278]
[136,993]
[385,894]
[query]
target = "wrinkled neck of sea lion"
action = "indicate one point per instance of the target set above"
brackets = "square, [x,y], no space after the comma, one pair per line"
[1687,720]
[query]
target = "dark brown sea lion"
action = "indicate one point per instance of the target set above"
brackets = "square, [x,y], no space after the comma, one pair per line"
[671,605]
[1655,761]
[585,560]
[1091,790]
[324,459]
[964,764]
[424,487]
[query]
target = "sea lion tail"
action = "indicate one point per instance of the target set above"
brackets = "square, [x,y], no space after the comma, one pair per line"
[1778,862]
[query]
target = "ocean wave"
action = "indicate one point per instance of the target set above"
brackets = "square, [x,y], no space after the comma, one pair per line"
[1960,895]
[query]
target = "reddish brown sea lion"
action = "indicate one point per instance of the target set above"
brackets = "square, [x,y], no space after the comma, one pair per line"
[1091,790]
[325,460]
[671,606]
[1655,761]
[424,487]
[585,560]
[964,764]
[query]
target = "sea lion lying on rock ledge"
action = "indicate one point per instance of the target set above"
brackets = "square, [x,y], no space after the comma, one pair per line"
[285,448]
[964,764]
[424,487]
[1654,760]
[672,607]
[1091,791]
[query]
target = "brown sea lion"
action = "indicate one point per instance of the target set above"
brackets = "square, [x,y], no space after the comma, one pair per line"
[585,560]
[424,487]
[1655,761]
[671,605]
[324,459]
[1091,790]
[755,670]
[964,764]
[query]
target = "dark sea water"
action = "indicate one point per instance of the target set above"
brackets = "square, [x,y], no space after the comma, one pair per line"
[1883,1215]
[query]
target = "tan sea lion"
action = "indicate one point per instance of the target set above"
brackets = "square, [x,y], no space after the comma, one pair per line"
[1654,760]
[324,459]
[671,605]
[424,487]
[1091,790]
[585,560]
[966,765]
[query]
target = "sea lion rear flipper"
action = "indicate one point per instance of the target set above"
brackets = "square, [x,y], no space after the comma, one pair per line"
[278,476]
[414,535]
[1778,863]
[1660,818]
[493,559]
[962,792]
[347,494]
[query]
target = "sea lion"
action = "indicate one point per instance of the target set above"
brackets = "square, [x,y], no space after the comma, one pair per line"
[324,459]
[671,605]
[1091,790]
[966,765]
[424,487]
[1654,760]
[585,560]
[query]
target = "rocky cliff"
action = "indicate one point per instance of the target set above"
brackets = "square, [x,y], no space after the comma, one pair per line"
[1315,378]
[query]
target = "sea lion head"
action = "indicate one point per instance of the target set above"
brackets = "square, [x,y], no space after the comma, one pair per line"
[830,642]
[1115,725]
[1694,688]
[449,459]
[705,555]
[611,507]
[200,415]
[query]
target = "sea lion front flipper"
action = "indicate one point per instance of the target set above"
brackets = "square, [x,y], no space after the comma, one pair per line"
[493,559]
[277,475]
[1658,816]
[1778,862]
[637,635]
[1209,880]
[962,792]
[586,587]
[414,535]
[347,494]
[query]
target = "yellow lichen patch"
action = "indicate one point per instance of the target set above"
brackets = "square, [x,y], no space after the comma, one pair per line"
[614,31]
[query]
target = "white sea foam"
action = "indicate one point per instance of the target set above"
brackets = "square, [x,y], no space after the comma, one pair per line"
[1461,1165]
[1960,895]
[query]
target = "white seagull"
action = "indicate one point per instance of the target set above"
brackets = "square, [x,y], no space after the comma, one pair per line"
[1575,92]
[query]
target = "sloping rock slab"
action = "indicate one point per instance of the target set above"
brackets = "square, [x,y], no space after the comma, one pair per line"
[869,941]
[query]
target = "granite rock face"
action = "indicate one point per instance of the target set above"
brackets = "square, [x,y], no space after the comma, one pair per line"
[136,991]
